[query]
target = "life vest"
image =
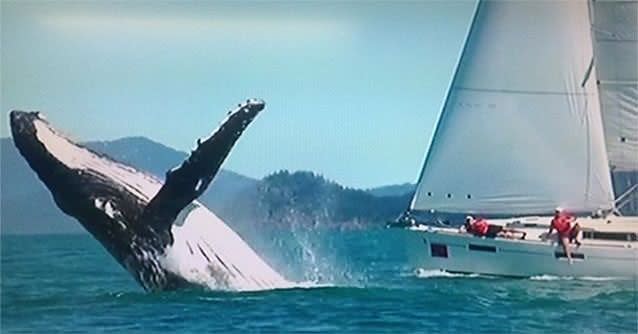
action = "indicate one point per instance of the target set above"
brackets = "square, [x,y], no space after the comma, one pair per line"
[480,227]
[561,223]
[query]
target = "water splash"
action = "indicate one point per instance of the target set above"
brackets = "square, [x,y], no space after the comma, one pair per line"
[312,255]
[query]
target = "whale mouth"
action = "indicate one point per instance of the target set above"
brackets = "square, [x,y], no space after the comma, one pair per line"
[20,119]
[24,132]
[39,143]
[67,167]
[46,151]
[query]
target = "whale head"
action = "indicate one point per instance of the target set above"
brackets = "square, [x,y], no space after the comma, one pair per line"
[105,196]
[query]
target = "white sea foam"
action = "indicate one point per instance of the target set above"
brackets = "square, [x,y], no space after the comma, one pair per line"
[603,278]
[312,285]
[550,278]
[434,273]
[581,278]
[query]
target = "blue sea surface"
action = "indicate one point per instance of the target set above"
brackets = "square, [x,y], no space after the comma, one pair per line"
[356,282]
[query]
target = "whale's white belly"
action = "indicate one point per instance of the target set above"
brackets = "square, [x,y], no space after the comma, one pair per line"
[208,253]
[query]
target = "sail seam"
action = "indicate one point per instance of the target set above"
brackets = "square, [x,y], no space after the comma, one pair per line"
[617,40]
[617,82]
[529,92]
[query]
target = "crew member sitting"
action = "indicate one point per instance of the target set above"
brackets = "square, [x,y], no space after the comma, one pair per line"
[481,228]
[566,233]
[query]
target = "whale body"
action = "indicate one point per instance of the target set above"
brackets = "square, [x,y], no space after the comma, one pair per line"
[156,230]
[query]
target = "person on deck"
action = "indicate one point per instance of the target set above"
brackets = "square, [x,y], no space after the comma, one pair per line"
[566,233]
[480,227]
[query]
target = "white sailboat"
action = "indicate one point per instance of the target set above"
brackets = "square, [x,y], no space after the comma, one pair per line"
[542,106]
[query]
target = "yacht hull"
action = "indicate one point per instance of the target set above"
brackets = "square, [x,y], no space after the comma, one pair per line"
[453,251]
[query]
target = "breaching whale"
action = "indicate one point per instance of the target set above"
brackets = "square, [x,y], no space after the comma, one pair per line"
[156,230]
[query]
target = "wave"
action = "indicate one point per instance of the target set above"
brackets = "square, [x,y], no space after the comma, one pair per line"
[311,285]
[579,278]
[551,278]
[603,278]
[437,273]
[202,293]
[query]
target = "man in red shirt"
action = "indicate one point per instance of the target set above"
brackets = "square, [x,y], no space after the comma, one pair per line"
[480,227]
[562,224]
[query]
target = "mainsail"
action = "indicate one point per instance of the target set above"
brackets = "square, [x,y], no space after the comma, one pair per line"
[520,131]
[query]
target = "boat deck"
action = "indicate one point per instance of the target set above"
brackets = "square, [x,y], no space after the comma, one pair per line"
[613,231]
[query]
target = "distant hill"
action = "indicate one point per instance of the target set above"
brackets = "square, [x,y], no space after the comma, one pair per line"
[392,190]
[278,200]
[322,202]
[140,152]
[307,199]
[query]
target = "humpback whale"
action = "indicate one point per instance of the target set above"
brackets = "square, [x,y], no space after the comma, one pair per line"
[156,230]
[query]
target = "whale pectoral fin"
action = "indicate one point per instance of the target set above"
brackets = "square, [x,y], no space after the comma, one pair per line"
[189,180]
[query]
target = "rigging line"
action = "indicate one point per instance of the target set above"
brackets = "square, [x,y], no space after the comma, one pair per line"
[626,194]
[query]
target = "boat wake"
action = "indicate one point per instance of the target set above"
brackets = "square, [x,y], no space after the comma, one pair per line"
[438,273]
[583,278]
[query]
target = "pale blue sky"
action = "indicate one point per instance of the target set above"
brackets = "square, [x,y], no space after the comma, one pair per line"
[353,89]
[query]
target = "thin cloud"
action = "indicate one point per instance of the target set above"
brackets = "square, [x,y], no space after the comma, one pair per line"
[255,27]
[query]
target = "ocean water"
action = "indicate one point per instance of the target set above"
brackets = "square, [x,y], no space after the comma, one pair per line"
[353,282]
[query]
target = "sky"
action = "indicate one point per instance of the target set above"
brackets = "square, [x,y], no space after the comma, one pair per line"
[352,89]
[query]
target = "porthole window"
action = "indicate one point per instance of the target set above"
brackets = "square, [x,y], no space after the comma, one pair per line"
[429,193]
[438,250]
[469,196]
[449,195]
